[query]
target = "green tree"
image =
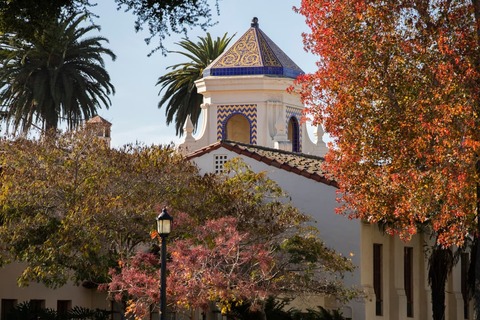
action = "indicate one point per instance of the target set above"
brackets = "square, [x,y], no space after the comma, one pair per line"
[56,75]
[70,207]
[234,216]
[181,99]
[25,17]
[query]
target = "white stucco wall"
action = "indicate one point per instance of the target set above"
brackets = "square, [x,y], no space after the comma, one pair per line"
[315,199]
[79,296]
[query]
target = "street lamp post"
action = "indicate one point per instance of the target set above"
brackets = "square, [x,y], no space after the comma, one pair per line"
[164,226]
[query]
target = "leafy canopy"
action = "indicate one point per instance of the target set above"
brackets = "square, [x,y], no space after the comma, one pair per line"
[56,75]
[160,17]
[240,244]
[70,207]
[397,89]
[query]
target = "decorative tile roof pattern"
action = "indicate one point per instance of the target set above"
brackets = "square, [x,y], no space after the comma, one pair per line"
[253,54]
[305,165]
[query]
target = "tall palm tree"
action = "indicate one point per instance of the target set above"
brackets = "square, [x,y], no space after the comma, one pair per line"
[181,98]
[57,75]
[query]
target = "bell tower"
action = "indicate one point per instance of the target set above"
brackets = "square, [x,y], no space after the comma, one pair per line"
[245,98]
[101,128]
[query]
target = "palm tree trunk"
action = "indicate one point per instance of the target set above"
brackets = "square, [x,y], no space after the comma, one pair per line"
[51,121]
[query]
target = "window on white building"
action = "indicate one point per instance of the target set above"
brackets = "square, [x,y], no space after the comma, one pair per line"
[294,134]
[7,306]
[238,129]
[63,306]
[377,278]
[219,161]
[408,278]
[465,264]
[117,310]
[37,305]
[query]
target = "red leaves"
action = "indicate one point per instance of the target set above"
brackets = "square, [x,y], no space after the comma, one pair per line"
[219,264]
[215,264]
[397,89]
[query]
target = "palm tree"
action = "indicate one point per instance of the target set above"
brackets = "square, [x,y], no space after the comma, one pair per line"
[56,75]
[181,98]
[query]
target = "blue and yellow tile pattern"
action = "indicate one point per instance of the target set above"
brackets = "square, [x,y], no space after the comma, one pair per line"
[253,54]
[224,112]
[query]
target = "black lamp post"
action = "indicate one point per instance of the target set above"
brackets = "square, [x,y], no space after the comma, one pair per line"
[164,226]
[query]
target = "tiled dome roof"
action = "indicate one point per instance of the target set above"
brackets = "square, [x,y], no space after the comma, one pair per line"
[253,54]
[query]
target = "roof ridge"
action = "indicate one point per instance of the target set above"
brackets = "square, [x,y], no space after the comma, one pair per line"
[304,155]
[307,170]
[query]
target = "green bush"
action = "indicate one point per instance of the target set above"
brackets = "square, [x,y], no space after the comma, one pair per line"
[26,311]
[319,314]
[276,309]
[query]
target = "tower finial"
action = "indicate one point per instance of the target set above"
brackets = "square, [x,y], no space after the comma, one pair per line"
[254,22]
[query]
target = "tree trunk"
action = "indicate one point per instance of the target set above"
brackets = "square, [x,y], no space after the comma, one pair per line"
[263,314]
[50,115]
[439,266]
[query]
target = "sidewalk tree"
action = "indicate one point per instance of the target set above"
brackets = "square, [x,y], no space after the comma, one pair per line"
[397,89]
[214,264]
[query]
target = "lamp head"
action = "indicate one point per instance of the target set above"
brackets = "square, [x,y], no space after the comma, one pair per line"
[164,223]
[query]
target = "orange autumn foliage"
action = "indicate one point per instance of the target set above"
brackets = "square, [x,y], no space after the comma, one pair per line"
[397,88]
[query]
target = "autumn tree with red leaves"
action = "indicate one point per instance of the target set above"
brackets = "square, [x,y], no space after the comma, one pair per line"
[217,263]
[397,89]
[216,260]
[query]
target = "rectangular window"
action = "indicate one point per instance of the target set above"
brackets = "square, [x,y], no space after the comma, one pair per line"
[154,312]
[117,311]
[219,161]
[465,264]
[63,306]
[408,278]
[7,306]
[36,306]
[377,278]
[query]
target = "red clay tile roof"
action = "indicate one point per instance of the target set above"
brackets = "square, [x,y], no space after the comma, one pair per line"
[98,119]
[302,164]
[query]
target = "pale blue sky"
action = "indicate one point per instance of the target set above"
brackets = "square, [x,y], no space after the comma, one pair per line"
[134,111]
